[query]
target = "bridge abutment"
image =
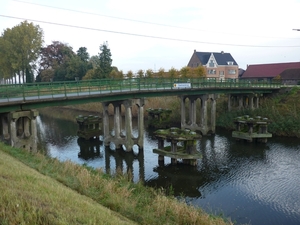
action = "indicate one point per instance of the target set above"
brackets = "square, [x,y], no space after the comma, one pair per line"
[127,140]
[19,129]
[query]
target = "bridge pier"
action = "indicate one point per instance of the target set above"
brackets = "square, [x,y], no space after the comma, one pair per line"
[19,129]
[118,138]
[242,101]
[204,127]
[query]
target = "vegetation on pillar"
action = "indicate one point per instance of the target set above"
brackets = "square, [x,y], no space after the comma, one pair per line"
[104,64]
[19,51]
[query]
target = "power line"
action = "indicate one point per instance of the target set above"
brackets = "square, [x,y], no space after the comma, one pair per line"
[146,36]
[145,22]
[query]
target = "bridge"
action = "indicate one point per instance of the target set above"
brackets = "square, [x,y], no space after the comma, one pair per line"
[19,103]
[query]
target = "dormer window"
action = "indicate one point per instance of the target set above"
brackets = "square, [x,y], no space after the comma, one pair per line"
[230,63]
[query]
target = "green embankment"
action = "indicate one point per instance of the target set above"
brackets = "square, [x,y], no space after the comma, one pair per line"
[29,197]
[36,189]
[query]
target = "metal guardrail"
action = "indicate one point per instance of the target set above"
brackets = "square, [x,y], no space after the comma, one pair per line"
[62,89]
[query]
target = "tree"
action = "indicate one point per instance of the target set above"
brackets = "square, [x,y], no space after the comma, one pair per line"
[56,57]
[173,73]
[149,73]
[23,43]
[129,74]
[105,61]
[83,54]
[140,73]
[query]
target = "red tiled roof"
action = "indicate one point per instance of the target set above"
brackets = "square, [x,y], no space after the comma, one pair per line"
[268,70]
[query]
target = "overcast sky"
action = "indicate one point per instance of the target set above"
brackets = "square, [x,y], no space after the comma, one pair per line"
[163,34]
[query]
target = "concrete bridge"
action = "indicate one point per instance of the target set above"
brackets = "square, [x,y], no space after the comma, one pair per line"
[19,103]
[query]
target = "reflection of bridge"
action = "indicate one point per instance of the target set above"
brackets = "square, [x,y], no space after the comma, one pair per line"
[18,103]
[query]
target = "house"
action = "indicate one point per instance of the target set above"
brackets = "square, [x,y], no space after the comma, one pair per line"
[219,65]
[290,76]
[268,71]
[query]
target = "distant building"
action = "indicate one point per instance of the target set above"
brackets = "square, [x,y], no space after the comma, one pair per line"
[268,71]
[290,76]
[219,65]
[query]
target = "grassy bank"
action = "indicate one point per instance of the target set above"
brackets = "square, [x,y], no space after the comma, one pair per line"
[28,197]
[39,195]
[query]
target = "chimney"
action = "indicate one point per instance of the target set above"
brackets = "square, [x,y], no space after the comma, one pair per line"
[194,50]
[222,52]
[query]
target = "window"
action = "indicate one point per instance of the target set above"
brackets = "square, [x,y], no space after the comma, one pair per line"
[230,63]
[231,71]
[211,63]
[221,73]
[211,71]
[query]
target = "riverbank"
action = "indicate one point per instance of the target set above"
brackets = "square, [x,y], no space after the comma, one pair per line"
[39,190]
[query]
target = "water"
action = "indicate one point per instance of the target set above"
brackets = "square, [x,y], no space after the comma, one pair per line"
[251,183]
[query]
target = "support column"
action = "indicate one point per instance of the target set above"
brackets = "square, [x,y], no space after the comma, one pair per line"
[105,122]
[203,121]
[128,126]
[141,128]
[251,102]
[182,107]
[22,129]
[193,112]
[117,129]
[229,102]
[213,115]
[240,102]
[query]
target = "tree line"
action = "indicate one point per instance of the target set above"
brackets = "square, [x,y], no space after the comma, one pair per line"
[24,59]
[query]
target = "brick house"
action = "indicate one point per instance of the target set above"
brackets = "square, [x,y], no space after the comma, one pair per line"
[268,71]
[219,65]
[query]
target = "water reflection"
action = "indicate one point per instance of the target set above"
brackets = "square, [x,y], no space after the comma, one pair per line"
[249,182]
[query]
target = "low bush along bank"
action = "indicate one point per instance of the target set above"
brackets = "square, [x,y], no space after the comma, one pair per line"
[35,201]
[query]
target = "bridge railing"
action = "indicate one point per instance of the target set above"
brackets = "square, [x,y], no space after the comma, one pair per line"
[65,89]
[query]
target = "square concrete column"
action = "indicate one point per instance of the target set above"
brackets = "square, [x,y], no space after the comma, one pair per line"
[203,121]
[182,109]
[105,119]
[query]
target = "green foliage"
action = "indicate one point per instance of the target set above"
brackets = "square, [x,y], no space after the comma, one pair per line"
[281,109]
[104,67]
[20,48]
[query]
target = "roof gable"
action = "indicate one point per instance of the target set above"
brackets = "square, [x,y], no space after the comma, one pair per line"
[268,70]
[221,58]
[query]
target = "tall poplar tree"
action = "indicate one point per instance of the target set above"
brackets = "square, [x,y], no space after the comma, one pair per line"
[23,43]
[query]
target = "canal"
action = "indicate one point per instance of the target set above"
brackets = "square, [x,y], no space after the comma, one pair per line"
[251,183]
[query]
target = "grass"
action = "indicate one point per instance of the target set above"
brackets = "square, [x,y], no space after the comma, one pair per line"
[28,197]
[39,195]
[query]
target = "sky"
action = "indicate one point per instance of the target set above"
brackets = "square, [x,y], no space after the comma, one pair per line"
[156,34]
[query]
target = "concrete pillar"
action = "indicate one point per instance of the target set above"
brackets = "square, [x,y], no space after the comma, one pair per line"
[229,102]
[5,126]
[257,103]
[213,115]
[203,121]
[117,125]
[193,112]
[140,104]
[22,129]
[182,107]
[240,102]
[251,102]
[105,119]
[128,126]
